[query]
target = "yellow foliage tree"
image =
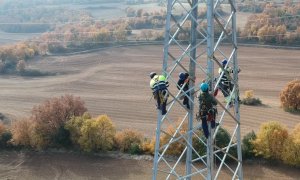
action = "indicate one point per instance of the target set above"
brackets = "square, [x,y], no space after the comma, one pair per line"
[290,96]
[74,125]
[128,139]
[291,153]
[270,140]
[97,134]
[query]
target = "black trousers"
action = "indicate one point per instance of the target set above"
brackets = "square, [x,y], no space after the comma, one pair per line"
[186,101]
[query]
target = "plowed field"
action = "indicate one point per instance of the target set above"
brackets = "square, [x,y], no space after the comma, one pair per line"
[115,82]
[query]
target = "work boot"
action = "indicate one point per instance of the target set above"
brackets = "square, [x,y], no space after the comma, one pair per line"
[163,111]
[187,106]
[217,124]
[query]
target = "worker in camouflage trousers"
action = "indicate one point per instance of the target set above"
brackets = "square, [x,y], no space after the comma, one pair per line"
[207,109]
[183,82]
[226,85]
[159,86]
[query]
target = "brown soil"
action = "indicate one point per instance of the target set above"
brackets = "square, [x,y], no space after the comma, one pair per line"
[116,82]
[60,166]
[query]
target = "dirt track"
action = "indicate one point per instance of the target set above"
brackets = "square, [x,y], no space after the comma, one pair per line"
[115,82]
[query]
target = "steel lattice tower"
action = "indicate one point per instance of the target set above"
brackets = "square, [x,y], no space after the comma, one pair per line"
[198,36]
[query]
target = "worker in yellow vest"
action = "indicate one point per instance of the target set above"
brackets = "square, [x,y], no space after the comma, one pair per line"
[159,86]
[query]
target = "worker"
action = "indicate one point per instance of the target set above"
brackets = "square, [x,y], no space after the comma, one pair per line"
[226,85]
[159,86]
[207,108]
[183,82]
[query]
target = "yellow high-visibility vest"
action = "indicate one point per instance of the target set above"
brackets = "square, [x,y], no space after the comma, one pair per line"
[157,80]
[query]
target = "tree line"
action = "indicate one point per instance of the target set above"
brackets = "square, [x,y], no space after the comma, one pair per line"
[40,19]
[64,122]
[275,25]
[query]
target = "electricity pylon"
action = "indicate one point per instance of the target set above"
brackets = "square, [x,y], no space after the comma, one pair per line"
[198,36]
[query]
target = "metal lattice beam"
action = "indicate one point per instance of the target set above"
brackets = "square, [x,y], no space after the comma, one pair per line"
[197,43]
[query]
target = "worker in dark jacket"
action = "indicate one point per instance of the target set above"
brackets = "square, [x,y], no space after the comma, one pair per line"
[183,82]
[225,82]
[207,111]
[226,85]
[159,85]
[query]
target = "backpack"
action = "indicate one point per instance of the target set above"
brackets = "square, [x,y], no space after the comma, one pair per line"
[206,110]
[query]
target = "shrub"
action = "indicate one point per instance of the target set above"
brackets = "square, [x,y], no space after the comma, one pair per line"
[74,125]
[129,141]
[148,146]
[291,153]
[97,134]
[2,67]
[199,145]
[22,132]
[21,66]
[177,147]
[250,100]
[2,128]
[290,96]
[249,94]
[247,146]
[35,73]
[49,117]
[135,149]
[62,138]
[270,140]
[222,140]
[5,136]
[5,139]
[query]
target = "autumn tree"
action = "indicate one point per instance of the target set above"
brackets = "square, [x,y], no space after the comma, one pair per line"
[50,117]
[2,66]
[292,148]
[74,127]
[139,12]
[270,140]
[130,12]
[290,96]
[129,141]
[176,147]
[5,136]
[21,66]
[97,134]
[2,128]
[276,24]
[22,132]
